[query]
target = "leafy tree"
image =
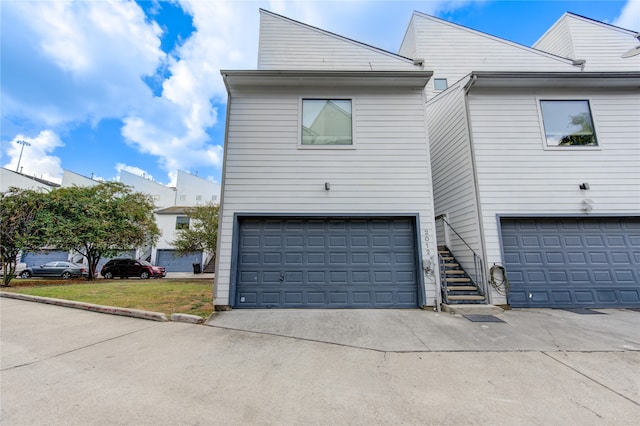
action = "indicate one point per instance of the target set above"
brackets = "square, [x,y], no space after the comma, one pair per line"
[99,221]
[19,227]
[202,233]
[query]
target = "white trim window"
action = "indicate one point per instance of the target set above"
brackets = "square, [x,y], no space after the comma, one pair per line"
[182,222]
[440,84]
[568,123]
[327,122]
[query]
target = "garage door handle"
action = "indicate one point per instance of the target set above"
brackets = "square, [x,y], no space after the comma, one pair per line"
[281,276]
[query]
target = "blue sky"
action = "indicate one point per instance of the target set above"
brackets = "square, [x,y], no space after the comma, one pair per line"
[96,87]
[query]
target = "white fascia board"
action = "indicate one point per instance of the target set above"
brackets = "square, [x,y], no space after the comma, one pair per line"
[303,78]
[556,79]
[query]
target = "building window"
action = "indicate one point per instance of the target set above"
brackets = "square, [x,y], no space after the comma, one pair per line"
[198,197]
[568,123]
[182,222]
[440,84]
[326,122]
[183,198]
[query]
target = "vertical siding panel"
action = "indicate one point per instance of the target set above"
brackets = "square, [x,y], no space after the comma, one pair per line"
[601,45]
[454,187]
[452,52]
[287,44]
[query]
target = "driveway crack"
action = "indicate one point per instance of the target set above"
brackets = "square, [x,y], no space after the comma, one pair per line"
[591,378]
[77,349]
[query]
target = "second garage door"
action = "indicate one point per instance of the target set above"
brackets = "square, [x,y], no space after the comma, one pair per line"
[572,262]
[173,262]
[327,263]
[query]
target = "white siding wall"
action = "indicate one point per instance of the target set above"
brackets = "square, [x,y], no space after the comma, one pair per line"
[600,44]
[193,190]
[266,172]
[557,40]
[73,179]
[452,51]
[453,181]
[289,45]
[163,196]
[167,225]
[516,175]
[9,178]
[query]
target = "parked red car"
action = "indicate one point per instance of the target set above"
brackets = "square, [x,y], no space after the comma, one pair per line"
[125,268]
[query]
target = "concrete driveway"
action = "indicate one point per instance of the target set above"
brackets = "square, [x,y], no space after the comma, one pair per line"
[73,367]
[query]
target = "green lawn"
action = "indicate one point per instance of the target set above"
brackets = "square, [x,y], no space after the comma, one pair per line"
[168,297]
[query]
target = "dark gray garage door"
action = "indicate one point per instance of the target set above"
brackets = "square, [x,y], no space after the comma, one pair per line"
[326,263]
[572,262]
[177,263]
[38,258]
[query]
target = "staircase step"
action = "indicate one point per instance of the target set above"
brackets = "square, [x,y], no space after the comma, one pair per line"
[458,280]
[462,288]
[451,265]
[454,271]
[444,252]
[446,259]
[472,309]
[465,297]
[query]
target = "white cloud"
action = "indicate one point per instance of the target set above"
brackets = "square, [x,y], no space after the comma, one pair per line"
[77,62]
[133,170]
[36,159]
[630,16]
[93,52]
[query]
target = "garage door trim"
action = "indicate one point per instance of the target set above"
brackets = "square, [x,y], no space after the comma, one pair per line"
[235,244]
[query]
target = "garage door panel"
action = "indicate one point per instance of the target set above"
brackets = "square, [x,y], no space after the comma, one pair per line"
[581,261]
[327,262]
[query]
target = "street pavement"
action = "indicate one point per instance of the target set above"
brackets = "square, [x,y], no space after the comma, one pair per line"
[62,366]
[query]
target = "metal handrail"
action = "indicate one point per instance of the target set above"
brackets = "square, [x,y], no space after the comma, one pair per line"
[478,264]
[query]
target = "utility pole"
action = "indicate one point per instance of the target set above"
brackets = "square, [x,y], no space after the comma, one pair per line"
[23,143]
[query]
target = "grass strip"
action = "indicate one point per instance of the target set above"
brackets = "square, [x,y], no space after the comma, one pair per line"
[194,298]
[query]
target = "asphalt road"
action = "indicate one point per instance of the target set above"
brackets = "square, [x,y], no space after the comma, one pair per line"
[62,366]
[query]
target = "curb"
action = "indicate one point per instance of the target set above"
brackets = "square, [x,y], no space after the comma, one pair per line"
[135,313]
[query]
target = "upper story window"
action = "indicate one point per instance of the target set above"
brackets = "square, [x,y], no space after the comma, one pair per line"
[568,123]
[183,198]
[182,222]
[440,84]
[327,122]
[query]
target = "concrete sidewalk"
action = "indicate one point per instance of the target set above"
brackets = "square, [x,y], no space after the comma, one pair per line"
[61,366]
[416,330]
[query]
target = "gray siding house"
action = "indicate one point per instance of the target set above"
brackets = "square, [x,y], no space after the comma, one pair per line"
[326,196]
[355,177]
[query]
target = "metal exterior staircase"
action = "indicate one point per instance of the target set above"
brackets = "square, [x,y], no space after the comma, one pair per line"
[210,267]
[457,286]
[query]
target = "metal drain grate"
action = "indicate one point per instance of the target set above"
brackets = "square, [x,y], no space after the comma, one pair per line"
[482,318]
[584,311]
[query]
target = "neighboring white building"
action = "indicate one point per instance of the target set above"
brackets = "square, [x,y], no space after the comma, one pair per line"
[10,179]
[70,178]
[338,214]
[171,203]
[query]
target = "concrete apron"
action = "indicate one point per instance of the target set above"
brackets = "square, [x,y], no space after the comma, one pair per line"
[418,331]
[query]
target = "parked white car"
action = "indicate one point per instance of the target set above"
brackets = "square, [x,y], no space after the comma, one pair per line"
[21,266]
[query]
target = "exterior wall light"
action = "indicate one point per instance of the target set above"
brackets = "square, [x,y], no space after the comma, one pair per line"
[584,186]
[327,186]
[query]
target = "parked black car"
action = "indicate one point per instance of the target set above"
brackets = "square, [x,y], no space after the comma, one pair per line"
[64,270]
[131,268]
